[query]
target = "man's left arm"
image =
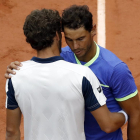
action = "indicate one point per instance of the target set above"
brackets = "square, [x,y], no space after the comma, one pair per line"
[132,108]
[13,119]
[126,93]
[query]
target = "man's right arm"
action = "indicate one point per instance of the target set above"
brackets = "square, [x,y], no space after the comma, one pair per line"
[13,113]
[13,65]
[95,102]
[13,119]
[108,121]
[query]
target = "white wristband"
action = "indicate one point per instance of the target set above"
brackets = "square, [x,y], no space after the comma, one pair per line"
[124,113]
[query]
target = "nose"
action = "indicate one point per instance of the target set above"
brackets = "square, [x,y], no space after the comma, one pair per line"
[75,45]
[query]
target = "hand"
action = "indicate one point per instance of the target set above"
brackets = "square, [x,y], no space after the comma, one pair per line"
[13,65]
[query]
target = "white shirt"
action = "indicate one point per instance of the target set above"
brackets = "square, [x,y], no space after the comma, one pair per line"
[52,95]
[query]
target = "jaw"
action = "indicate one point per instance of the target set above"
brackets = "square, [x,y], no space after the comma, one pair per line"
[87,54]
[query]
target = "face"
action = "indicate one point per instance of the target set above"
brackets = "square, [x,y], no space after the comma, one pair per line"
[79,40]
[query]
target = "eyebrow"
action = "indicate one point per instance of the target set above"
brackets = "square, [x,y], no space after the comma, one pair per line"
[67,38]
[76,39]
[81,37]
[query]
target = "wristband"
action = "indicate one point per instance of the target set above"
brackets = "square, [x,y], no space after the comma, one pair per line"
[124,113]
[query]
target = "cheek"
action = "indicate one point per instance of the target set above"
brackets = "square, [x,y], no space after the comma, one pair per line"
[84,45]
[69,44]
[88,43]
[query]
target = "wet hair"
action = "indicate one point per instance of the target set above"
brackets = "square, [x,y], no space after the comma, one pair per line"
[40,28]
[77,16]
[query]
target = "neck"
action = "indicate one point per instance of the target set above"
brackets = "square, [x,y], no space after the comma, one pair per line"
[90,53]
[48,52]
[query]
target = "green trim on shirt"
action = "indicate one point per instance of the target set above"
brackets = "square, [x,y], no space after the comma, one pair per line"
[104,85]
[127,97]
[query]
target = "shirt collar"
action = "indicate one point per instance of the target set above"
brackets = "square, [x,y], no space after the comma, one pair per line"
[47,60]
[93,59]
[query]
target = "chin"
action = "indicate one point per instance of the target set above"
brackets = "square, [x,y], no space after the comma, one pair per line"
[79,56]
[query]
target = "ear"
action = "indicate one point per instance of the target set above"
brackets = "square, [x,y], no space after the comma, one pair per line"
[58,36]
[93,31]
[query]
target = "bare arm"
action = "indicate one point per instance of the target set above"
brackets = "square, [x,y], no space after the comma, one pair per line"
[13,65]
[132,108]
[13,118]
[108,122]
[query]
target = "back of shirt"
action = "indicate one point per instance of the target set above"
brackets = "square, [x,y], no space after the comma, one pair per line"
[52,95]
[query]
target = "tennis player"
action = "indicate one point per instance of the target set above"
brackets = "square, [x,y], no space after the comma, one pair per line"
[114,75]
[52,94]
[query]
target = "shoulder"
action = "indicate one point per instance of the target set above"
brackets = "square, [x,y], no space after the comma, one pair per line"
[80,71]
[75,68]
[27,63]
[25,66]
[121,71]
[109,57]
[106,64]
[122,67]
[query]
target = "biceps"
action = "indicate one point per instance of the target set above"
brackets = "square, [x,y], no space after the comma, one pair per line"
[131,106]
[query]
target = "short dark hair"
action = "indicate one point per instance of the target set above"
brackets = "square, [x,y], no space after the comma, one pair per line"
[40,28]
[76,16]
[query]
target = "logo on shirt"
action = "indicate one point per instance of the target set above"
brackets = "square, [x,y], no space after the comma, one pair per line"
[99,89]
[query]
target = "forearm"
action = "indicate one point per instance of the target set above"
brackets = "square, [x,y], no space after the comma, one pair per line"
[108,122]
[12,135]
[13,119]
[133,130]
[117,120]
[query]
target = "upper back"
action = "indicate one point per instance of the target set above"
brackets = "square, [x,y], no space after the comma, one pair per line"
[50,94]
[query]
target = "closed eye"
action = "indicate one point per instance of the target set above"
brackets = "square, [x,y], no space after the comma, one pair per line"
[81,38]
[68,39]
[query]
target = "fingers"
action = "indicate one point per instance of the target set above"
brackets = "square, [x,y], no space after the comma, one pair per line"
[14,65]
[9,71]
[7,76]
[18,63]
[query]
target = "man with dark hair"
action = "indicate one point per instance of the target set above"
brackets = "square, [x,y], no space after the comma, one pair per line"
[115,78]
[42,35]
[51,93]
